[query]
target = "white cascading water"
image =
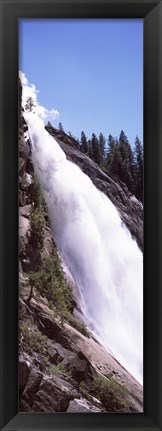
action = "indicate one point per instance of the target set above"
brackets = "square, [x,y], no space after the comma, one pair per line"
[105,261]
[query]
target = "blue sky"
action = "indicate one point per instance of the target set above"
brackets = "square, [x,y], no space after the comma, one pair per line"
[91,71]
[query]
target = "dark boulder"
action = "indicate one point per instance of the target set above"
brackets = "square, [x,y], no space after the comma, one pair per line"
[78,368]
[52,396]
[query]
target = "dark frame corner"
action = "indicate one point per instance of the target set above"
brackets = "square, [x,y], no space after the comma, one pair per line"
[151,12]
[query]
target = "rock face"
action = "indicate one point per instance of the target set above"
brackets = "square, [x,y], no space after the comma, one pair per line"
[130,209]
[39,388]
[82,406]
[55,385]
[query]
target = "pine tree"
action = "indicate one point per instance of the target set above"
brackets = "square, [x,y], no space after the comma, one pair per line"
[115,163]
[95,149]
[60,126]
[30,105]
[83,142]
[138,157]
[102,142]
[123,144]
[89,148]
[49,124]
[111,142]
[127,161]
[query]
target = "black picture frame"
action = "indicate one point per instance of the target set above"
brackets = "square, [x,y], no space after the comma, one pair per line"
[151,12]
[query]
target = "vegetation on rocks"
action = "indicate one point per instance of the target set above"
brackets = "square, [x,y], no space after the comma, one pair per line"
[22,247]
[59,368]
[76,323]
[37,217]
[113,396]
[33,338]
[37,229]
[37,196]
[116,156]
[49,282]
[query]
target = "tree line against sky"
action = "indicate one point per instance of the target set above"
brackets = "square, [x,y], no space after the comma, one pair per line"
[116,156]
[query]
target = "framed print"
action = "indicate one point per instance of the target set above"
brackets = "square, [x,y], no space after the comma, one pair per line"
[80,328]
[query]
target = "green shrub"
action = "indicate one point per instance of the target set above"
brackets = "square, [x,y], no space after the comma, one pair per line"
[62,292]
[22,247]
[85,391]
[37,194]
[113,396]
[37,217]
[59,368]
[49,281]
[76,323]
[33,337]
[21,312]
[37,229]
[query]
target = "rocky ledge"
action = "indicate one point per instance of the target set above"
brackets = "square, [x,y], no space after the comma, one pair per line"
[55,374]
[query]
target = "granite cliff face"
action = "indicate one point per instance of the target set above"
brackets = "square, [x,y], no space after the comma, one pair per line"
[130,209]
[55,373]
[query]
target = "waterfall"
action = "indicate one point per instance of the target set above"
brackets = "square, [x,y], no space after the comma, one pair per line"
[106,263]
